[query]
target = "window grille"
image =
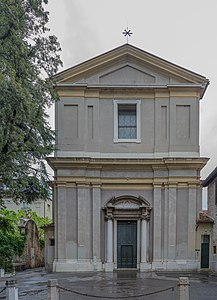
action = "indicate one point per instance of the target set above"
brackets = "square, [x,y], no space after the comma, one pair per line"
[127,121]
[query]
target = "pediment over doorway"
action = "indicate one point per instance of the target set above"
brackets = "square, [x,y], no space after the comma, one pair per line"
[127,201]
[129,207]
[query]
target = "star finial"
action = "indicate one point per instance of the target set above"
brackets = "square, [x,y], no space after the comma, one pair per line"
[127,32]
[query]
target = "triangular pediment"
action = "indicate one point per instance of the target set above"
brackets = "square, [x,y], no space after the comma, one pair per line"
[128,65]
[128,75]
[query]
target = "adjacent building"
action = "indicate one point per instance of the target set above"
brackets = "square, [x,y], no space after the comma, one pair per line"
[127,191]
[43,208]
[211,249]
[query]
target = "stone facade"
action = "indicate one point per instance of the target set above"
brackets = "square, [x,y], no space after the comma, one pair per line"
[127,190]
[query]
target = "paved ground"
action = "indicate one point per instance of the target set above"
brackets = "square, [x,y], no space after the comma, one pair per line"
[32,285]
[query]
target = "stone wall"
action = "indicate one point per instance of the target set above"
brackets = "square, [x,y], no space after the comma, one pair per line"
[33,254]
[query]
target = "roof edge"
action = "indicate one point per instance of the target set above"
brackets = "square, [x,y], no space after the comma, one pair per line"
[131,49]
[210,178]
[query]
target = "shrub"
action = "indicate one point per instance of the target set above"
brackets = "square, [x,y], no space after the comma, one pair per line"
[12,241]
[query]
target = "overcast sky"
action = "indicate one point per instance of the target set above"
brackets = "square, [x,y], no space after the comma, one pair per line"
[181,31]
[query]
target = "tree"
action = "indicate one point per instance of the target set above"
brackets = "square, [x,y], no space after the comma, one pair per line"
[29,57]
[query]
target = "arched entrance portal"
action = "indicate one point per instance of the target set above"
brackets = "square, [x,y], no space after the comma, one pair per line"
[127,232]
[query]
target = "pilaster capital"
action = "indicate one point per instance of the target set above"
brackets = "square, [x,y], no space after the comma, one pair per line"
[96,185]
[157,185]
[172,185]
[145,218]
[109,218]
[193,185]
[60,184]
[146,215]
[81,185]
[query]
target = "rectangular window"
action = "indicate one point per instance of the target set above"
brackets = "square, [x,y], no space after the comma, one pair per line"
[127,121]
[205,239]
[52,242]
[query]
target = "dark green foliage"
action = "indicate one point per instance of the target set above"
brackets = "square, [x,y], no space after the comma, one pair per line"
[6,225]
[11,244]
[6,254]
[28,55]
[12,241]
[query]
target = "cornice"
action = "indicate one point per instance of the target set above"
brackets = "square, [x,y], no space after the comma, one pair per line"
[153,164]
[135,183]
[142,91]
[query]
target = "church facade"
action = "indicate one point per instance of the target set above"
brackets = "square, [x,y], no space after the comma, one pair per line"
[127,189]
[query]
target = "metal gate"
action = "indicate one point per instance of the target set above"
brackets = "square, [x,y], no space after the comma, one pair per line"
[126,244]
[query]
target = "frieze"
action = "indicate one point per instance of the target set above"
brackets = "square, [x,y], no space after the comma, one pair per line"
[127,204]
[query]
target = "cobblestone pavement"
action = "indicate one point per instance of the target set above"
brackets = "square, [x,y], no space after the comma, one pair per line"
[32,285]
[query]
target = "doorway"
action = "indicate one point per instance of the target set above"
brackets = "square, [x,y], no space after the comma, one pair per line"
[126,244]
[205,251]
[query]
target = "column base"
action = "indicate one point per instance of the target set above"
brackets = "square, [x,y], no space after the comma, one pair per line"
[76,265]
[175,265]
[213,263]
[145,266]
[109,267]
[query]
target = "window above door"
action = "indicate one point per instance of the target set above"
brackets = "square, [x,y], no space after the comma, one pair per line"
[127,121]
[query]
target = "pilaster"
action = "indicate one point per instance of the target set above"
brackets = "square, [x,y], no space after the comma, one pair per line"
[192,214]
[61,219]
[172,222]
[81,192]
[143,240]
[96,192]
[157,223]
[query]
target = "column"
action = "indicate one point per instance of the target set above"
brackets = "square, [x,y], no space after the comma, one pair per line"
[143,240]
[145,217]
[109,240]
[109,252]
[139,247]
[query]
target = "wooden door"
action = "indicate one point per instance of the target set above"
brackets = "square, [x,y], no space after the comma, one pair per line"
[126,244]
[205,251]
